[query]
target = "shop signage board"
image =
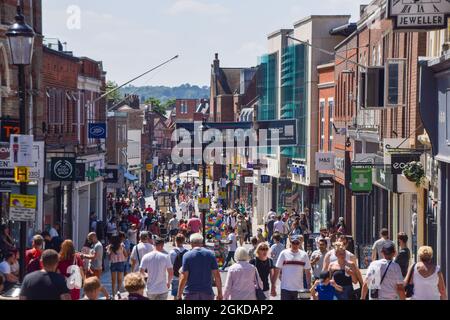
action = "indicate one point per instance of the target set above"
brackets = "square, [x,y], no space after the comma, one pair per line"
[21,150]
[325,160]
[97,130]
[63,169]
[22,174]
[7,128]
[362,179]
[399,161]
[249,180]
[80,172]
[22,208]
[265,179]
[36,170]
[111,175]
[412,15]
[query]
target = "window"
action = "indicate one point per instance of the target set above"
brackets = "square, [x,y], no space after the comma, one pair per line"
[56,103]
[322,124]
[330,122]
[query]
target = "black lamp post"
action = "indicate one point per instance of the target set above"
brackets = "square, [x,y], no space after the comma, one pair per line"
[21,40]
[202,130]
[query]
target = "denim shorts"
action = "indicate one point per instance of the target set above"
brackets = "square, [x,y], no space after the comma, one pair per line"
[118,267]
[175,283]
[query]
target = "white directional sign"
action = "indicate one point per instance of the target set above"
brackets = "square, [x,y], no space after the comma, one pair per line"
[21,151]
[419,14]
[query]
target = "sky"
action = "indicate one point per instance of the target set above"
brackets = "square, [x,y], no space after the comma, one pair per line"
[131,37]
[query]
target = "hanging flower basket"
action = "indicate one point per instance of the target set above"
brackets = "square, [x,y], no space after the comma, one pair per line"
[414,172]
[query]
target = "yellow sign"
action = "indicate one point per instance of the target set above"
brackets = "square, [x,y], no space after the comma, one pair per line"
[203,203]
[149,167]
[22,208]
[21,174]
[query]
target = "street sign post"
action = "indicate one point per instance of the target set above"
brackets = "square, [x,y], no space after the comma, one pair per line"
[21,174]
[21,150]
[362,179]
[22,208]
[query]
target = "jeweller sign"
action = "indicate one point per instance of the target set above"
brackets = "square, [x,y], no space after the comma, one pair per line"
[419,14]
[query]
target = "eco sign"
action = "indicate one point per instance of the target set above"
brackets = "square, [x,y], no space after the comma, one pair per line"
[362,179]
[63,169]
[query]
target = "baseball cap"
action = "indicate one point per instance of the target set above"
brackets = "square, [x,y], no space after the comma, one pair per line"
[295,238]
[388,248]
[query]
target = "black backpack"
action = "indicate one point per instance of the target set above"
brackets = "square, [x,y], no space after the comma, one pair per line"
[178,263]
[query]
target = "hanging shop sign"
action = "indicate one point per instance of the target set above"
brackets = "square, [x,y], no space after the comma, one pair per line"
[21,150]
[97,130]
[22,174]
[325,160]
[7,128]
[326,183]
[265,179]
[80,172]
[92,174]
[401,160]
[361,179]
[249,180]
[411,15]
[149,167]
[22,208]
[111,175]
[63,169]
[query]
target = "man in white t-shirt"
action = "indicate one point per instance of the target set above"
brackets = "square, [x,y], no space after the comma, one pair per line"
[293,263]
[232,246]
[156,264]
[378,245]
[140,250]
[384,279]
[278,226]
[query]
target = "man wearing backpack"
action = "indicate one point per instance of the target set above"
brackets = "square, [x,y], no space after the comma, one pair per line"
[33,256]
[140,250]
[176,257]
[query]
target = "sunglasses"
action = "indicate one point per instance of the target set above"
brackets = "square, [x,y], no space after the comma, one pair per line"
[295,242]
[264,249]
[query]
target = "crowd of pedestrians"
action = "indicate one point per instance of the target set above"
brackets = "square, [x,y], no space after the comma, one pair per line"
[282,259]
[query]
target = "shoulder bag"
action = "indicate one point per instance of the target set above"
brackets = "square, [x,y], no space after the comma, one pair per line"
[260,296]
[409,288]
[375,292]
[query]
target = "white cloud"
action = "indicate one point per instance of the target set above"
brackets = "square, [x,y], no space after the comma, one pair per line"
[197,7]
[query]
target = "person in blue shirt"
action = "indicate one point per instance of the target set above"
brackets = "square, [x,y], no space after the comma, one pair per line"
[199,266]
[324,288]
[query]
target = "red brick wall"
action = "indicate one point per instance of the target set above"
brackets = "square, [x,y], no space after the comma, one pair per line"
[326,75]
[191,104]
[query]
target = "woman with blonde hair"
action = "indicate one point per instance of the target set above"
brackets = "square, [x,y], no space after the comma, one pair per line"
[344,272]
[266,269]
[135,286]
[426,277]
[242,278]
[69,257]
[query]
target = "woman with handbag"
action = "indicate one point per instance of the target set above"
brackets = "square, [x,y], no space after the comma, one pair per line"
[266,270]
[243,281]
[425,280]
[68,258]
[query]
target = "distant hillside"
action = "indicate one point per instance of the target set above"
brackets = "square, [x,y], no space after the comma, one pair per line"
[185,91]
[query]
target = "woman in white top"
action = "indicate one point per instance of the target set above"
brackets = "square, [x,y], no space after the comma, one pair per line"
[426,277]
[242,278]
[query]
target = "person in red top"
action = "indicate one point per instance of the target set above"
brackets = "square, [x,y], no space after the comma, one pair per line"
[67,258]
[149,209]
[194,224]
[33,256]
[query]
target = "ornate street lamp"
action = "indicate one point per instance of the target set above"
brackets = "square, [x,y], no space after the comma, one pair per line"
[21,42]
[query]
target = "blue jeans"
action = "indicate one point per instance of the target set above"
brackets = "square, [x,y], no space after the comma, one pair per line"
[346,294]
[175,283]
[198,296]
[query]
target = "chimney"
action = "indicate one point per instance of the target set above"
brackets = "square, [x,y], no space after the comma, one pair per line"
[216,63]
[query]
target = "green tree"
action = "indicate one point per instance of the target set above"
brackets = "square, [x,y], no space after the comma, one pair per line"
[156,105]
[115,96]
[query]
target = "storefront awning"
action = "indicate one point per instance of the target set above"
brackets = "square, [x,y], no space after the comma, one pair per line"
[130,177]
